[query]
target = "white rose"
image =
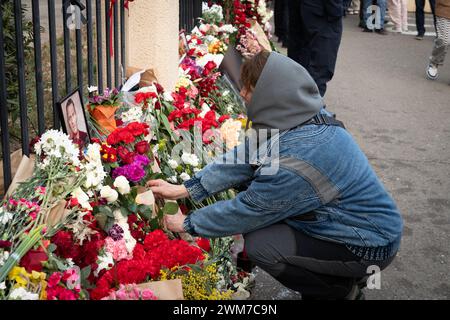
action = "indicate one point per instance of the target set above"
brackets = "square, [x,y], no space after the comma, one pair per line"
[172,163]
[184,176]
[109,194]
[2,286]
[122,184]
[173,179]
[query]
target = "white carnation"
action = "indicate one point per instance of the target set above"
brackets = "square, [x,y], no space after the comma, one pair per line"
[184,176]
[190,159]
[134,114]
[172,163]
[82,198]
[22,294]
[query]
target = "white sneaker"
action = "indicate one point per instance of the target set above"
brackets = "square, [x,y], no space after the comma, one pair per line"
[432,72]
[405,29]
[395,30]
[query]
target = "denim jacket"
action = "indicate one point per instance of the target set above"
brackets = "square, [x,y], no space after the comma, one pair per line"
[323,172]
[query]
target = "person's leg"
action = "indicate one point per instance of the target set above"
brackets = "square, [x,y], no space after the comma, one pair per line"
[382,6]
[277,17]
[440,47]
[285,23]
[355,6]
[297,35]
[323,36]
[366,14]
[313,267]
[420,17]
[395,14]
[404,14]
[433,10]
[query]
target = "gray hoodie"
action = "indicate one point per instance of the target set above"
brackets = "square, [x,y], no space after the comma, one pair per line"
[285,95]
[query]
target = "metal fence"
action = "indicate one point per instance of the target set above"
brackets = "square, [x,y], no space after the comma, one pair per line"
[190,11]
[92,34]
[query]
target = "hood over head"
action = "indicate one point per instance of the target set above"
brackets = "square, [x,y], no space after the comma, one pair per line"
[285,95]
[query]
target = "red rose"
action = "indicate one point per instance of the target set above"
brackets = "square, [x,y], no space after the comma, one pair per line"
[129,158]
[33,260]
[142,147]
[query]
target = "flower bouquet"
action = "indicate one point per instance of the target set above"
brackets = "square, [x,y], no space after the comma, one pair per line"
[102,109]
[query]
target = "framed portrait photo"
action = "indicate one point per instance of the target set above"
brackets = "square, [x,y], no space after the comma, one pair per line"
[73,118]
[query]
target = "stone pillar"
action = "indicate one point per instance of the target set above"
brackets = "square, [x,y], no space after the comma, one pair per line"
[152,38]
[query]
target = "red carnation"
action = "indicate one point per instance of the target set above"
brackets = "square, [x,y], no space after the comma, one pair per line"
[33,260]
[142,147]
[223,118]
[204,244]
[129,158]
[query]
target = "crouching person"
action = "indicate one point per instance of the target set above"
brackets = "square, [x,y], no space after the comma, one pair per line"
[318,222]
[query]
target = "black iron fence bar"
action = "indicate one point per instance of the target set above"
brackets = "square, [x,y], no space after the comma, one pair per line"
[79,50]
[4,114]
[116,46]
[181,14]
[53,59]
[67,50]
[90,42]
[122,38]
[108,44]
[21,76]
[98,8]
[38,67]
[197,10]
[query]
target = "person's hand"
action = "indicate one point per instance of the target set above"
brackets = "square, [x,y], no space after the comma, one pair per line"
[164,190]
[175,222]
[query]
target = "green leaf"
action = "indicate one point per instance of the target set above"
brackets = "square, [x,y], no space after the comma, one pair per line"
[85,272]
[167,125]
[170,208]
[145,211]
[51,248]
[101,219]
[106,210]
[124,211]
[132,207]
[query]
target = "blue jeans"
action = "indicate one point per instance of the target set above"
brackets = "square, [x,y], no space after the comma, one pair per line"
[376,19]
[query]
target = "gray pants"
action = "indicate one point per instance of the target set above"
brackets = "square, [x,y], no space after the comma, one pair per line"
[313,267]
[442,41]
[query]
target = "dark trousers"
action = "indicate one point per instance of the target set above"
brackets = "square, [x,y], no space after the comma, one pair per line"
[420,15]
[281,19]
[314,39]
[313,267]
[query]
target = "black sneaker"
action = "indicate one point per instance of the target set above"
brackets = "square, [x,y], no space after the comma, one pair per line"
[365,29]
[381,31]
[420,37]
